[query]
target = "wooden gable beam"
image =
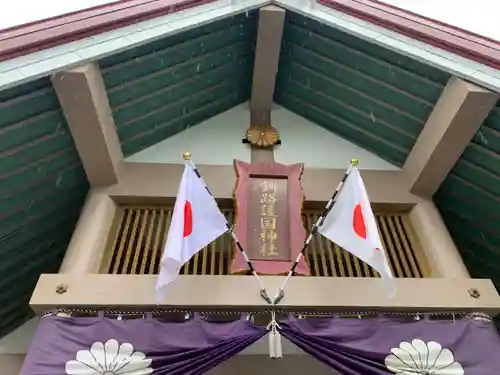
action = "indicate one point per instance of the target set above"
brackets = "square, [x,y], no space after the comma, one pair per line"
[239,293]
[267,53]
[143,183]
[85,103]
[454,121]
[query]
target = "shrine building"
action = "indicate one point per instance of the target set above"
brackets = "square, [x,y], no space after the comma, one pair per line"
[98,107]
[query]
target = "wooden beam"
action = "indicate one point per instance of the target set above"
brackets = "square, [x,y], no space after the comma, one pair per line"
[267,53]
[443,258]
[147,182]
[454,121]
[242,293]
[84,100]
[88,242]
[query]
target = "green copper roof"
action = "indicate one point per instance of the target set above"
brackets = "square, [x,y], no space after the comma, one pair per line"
[162,88]
[469,200]
[42,188]
[369,95]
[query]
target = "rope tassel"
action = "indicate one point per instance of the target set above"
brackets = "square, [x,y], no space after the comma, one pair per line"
[272,348]
[275,347]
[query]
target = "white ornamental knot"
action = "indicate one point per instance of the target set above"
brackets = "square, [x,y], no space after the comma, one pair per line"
[420,358]
[109,358]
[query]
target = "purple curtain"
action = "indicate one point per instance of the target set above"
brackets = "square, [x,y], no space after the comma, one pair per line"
[101,346]
[382,346]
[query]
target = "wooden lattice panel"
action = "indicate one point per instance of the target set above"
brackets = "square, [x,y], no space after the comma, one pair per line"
[139,236]
[405,258]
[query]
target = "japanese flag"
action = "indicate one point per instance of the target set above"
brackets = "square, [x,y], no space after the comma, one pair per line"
[352,226]
[196,221]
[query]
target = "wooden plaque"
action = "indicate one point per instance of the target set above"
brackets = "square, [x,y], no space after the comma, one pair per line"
[269,226]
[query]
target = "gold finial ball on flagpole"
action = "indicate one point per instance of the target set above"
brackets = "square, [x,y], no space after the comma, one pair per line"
[354,162]
[186,155]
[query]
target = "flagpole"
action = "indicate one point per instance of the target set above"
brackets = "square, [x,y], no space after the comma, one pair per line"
[281,291]
[263,292]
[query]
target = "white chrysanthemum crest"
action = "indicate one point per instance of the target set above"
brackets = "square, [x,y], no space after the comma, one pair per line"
[109,358]
[420,358]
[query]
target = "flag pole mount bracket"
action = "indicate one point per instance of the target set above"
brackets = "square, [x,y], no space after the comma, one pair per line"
[279,297]
[265,296]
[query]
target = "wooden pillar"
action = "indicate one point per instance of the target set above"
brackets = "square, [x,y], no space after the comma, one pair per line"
[442,255]
[267,53]
[455,119]
[87,245]
[84,100]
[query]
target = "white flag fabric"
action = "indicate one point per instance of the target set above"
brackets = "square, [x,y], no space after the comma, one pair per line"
[196,221]
[352,226]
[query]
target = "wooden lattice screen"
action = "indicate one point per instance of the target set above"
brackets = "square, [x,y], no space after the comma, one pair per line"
[139,236]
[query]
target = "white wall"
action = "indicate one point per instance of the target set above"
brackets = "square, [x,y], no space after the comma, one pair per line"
[306,142]
[217,141]
[14,347]
[18,341]
[263,365]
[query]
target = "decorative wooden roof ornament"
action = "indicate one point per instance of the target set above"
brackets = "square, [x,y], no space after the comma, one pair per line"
[262,136]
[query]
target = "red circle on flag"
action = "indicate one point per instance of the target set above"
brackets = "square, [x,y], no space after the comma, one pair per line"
[188,219]
[358,222]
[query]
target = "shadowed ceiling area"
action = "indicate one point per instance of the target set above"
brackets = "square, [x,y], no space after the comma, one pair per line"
[42,188]
[371,96]
[469,201]
[162,88]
